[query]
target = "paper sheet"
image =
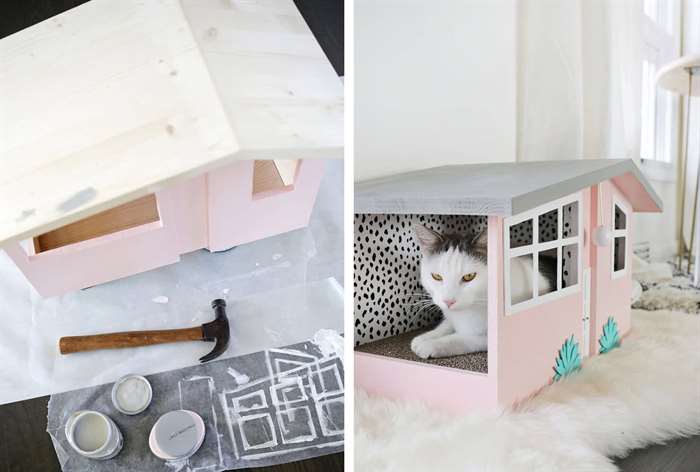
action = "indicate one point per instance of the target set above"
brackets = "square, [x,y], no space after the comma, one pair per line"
[272,286]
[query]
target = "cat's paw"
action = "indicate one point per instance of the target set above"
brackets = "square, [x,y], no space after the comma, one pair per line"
[422,347]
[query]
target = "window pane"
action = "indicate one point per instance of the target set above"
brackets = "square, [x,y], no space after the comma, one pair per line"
[620,218]
[520,279]
[570,218]
[619,253]
[548,226]
[569,265]
[547,266]
[521,234]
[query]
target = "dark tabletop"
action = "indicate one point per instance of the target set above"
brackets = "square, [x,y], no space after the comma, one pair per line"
[25,446]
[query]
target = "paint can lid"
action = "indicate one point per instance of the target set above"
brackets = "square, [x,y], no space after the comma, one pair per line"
[177,435]
[132,394]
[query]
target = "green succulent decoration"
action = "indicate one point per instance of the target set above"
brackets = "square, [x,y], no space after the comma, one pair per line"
[610,339]
[568,360]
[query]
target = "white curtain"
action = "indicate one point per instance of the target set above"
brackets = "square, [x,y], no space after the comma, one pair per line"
[579,79]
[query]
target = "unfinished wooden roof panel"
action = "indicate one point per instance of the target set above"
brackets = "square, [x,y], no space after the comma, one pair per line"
[110,101]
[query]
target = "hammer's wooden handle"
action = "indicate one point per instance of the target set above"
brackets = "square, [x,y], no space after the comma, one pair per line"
[127,339]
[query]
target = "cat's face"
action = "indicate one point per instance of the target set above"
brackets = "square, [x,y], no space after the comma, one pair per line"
[453,269]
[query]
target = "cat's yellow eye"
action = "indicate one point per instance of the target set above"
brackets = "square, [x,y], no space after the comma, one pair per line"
[437,277]
[468,277]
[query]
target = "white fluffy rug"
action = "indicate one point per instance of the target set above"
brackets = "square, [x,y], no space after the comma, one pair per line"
[647,391]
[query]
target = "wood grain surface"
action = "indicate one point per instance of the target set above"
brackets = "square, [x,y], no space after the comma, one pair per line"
[70,344]
[97,109]
[138,212]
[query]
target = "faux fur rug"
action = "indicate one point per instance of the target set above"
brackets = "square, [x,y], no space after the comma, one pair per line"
[647,391]
[676,293]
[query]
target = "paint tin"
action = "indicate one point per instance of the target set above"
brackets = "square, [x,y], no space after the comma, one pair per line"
[93,435]
[177,435]
[132,394]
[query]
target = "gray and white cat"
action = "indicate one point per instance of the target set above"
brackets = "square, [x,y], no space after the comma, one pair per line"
[454,272]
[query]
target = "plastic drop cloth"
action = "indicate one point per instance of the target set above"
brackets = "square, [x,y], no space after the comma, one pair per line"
[279,290]
[269,407]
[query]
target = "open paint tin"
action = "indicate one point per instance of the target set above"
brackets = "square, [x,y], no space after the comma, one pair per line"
[132,394]
[93,435]
[177,435]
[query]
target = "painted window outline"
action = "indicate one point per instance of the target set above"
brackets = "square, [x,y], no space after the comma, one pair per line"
[536,247]
[619,233]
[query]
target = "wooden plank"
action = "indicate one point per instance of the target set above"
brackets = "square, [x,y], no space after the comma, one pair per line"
[100,105]
[136,213]
[111,101]
[266,177]
[279,91]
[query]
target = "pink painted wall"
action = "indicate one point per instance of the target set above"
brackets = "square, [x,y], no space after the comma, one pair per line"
[529,340]
[215,211]
[237,217]
[106,258]
[610,296]
[441,388]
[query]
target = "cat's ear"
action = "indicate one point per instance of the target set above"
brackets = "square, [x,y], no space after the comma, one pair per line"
[480,242]
[428,239]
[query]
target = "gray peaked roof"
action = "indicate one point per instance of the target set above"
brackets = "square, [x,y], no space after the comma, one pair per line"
[501,189]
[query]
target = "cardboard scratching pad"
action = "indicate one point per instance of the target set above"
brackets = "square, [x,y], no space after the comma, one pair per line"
[399,347]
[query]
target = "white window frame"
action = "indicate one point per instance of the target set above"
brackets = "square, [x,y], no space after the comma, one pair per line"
[618,233]
[537,247]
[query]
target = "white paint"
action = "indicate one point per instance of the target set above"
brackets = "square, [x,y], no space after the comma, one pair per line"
[241,379]
[90,432]
[329,342]
[276,257]
[438,89]
[93,434]
[133,394]
[226,291]
[162,299]
[261,86]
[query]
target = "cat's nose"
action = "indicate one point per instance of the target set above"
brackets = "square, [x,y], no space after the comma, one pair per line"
[450,302]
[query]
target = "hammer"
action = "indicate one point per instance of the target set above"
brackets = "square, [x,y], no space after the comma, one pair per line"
[215,331]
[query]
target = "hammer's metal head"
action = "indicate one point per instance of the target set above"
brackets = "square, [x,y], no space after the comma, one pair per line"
[217,331]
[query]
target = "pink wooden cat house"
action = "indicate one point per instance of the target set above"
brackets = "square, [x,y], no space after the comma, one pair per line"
[133,132]
[577,212]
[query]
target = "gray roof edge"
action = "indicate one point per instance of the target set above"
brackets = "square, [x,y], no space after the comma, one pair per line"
[561,189]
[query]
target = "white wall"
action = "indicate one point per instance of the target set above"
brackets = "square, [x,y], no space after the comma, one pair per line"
[435,84]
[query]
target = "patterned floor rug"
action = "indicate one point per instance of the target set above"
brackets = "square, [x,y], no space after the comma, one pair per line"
[676,293]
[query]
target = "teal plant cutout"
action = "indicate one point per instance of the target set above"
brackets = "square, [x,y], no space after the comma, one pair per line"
[610,339]
[568,360]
